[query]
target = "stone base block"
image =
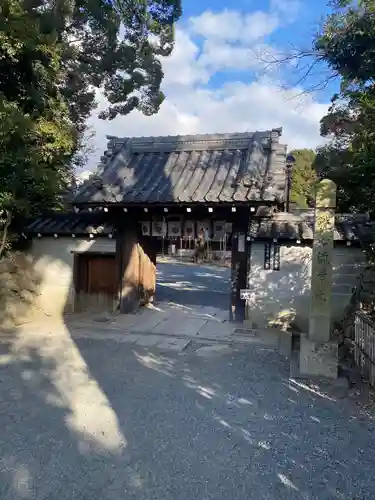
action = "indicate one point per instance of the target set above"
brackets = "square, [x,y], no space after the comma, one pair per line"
[285,344]
[318,359]
[247,323]
[320,327]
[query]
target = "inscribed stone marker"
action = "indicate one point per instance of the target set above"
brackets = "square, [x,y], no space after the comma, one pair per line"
[321,279]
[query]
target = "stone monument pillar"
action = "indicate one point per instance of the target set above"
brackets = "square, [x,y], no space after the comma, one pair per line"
[318,355]
[321,272]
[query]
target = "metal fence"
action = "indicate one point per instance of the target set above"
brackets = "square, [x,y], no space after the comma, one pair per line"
[364,346]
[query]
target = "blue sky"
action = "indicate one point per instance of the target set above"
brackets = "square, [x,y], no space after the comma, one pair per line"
[216,79]
[303,19]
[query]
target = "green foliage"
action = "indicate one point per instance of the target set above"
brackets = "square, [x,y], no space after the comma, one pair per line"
[347,41]
[53,58]
[348,46]
[303,177]
[37,137]
[114,46]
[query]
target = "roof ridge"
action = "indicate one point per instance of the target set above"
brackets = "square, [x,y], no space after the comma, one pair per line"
[269,134]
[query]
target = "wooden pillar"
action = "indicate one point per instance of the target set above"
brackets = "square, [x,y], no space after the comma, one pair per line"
[127,255]
[147,249]
[239,267]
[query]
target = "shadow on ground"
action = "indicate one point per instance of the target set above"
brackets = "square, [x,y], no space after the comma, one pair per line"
[100,419]
[84,419]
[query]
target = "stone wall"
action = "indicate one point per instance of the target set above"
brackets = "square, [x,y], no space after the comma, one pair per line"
[282,298]
[19,287]
[55,263]
[40,283]
[45,276]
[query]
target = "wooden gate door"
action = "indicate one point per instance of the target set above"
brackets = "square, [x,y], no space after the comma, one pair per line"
[102,275]
[97,282]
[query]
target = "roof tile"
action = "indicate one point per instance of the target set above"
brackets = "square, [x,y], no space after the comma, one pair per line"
[203,168]
[71,223]
[288,226]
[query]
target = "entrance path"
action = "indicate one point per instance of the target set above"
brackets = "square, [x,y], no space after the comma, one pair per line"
[192,306]
[194,285]
[167,325]
[84,419]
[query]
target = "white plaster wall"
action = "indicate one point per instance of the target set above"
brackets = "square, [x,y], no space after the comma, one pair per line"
[282,298]
[53,261]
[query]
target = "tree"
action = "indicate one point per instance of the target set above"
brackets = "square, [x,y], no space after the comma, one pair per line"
[334,163]
[348,158]
[54,56]
[345,47]
[342,49]
[348,45]
[303,177]
[109,45]
[113,46]
[37,137]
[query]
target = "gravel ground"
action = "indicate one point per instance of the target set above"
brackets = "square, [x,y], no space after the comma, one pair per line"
[193,285]
[104,420]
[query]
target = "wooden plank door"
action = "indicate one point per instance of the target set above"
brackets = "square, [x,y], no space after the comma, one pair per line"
[102,275]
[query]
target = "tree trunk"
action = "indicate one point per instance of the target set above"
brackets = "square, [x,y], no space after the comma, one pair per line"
[7,222]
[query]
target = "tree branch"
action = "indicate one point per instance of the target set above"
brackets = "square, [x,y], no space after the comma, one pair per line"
[306,65]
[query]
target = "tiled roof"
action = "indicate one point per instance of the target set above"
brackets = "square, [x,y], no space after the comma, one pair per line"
[283,226]
[71,223]
[287,226]
[189,169]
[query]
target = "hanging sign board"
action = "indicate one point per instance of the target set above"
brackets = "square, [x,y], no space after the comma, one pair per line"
[146,228]
[276,257]
[174,228]
[241,242]
[267,256]
[245,294]
[189,229]
[219,230]
[159,228]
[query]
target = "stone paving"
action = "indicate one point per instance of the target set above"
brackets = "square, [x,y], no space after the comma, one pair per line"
[165,318]
[167,324]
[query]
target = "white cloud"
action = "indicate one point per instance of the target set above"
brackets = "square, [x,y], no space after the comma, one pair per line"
[192,106]
[287,10]
[180,67]
[218,56]
[233,26]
